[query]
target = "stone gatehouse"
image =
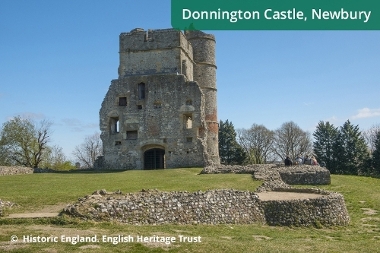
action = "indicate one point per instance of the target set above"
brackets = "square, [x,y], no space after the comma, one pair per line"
[162,110]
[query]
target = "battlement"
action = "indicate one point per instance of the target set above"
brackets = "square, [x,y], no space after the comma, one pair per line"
[163,51]
[140,40]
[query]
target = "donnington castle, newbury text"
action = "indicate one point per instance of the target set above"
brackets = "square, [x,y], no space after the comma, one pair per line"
[271,14]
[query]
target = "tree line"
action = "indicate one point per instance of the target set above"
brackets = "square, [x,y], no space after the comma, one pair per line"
[344,149]
[24,142]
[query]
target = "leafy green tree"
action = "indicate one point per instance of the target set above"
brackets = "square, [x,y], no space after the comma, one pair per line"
[376,155]
[325,137]
[351,153]
[24,142]
[230,151]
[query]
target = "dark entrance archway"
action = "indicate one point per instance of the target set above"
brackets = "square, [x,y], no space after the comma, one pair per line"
[154,159]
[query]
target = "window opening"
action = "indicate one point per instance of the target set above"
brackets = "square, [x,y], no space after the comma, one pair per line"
[115,125]
[189,102]
[141,90]
[122,101]
[188,121]
[189,139]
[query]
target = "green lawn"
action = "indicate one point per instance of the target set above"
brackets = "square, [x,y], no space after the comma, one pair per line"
[34,191]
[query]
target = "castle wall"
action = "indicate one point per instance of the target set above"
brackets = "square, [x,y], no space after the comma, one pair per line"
[155,52]
[159,123]
[177,114]
[205,74]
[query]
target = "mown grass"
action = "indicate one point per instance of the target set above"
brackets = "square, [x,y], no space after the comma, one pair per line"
[33,191]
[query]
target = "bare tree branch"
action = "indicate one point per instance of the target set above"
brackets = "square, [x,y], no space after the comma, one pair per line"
[89,150]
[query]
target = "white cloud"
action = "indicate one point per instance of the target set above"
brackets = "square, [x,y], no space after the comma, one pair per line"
[366,113]
[77,125]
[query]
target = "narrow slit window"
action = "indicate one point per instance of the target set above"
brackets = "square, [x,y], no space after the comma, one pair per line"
[141,91]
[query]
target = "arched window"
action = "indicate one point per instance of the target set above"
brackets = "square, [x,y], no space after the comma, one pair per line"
[188,121]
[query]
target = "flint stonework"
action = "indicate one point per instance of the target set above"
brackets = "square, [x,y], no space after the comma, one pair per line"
[161,112]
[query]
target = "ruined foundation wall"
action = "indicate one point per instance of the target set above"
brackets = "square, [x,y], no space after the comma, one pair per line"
[211,207]
[328,210]
[15,170]
[298,174]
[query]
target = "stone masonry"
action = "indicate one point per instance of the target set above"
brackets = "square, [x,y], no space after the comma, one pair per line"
[161,112]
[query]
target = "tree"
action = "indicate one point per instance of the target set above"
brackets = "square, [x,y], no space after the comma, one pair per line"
[290,140]
[89,150]
[376,155]
[230,151]
[54,158]
[370,137]
[257,142]
[351,154]
[325,137]
[24,141]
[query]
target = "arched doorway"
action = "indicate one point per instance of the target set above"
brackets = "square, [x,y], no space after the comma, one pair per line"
[154,159]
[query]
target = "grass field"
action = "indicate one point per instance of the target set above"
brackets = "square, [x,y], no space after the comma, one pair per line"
[35,191]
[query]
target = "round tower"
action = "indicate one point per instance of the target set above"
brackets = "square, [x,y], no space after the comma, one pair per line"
[205,75]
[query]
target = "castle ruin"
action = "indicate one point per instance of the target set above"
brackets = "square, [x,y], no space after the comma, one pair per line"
[162,112]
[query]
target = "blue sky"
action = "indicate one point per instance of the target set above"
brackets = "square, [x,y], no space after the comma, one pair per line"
[57,59]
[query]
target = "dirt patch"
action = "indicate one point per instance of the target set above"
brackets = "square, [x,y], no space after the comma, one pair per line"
[46,212]
[261,237]
[266,196]
[369,211]
[32,215]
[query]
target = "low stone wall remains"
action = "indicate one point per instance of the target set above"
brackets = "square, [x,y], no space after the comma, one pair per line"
[19,170]
[155,207]
[211,207]
[14,170]
[329,209]
[297,174]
